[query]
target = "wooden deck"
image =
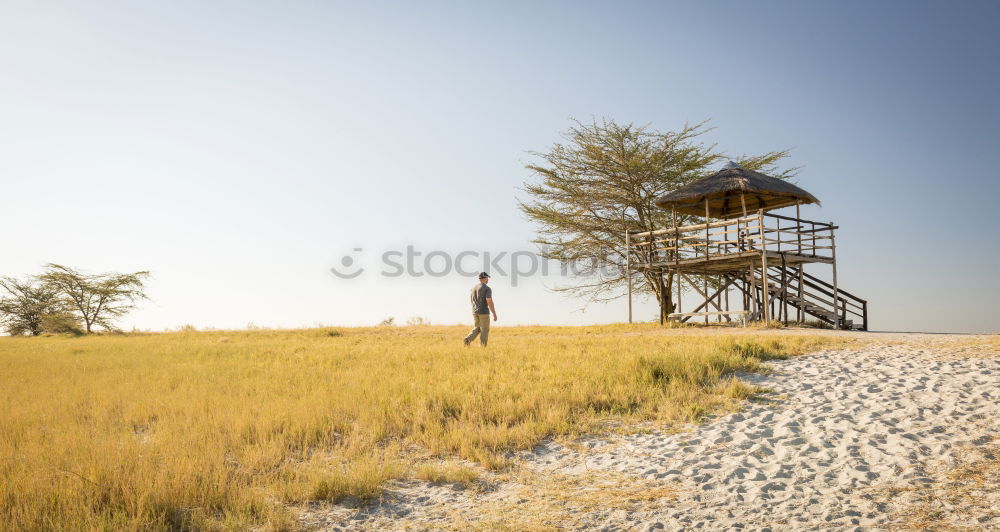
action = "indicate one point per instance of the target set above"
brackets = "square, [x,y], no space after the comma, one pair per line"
[733,245]
[719,263]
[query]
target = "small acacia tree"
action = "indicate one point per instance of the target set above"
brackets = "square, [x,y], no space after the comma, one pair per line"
[32,307]
[99,299]
[603,181]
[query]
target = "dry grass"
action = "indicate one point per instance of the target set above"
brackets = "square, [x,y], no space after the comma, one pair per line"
[226,429]
[979,347]
[446,472]
[962,496]
[558,501]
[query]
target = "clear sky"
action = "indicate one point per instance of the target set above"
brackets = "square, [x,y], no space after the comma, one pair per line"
[239,150]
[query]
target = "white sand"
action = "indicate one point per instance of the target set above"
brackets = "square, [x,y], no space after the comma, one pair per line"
[839,427]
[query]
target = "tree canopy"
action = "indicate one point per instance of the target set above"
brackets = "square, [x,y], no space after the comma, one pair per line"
[99,299]
[31,307]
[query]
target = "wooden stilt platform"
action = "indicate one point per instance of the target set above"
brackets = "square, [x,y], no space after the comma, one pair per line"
[761,256]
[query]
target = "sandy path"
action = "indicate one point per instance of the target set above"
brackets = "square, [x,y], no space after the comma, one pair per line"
[817,453]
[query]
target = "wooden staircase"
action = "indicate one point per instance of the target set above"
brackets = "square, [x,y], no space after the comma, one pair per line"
[792,288]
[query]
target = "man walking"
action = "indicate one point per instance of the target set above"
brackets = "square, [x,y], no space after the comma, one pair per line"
[482,306]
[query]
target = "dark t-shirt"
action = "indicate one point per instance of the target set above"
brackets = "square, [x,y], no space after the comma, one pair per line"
[480,293]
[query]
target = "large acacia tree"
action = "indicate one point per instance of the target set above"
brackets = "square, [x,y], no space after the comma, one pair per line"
[99,299]
[28,306]
[603,181]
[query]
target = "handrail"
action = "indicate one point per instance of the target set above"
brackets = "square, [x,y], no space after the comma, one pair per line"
[816,287]
[789,218]
[846,299]
[693,227]
[819,284]
[839,290]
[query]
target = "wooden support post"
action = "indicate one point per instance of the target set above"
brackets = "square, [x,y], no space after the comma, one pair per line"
[727,302]
[677,275]
[774,304]
[677,241]
[659,281]
[746,293]
[813,232]
[706,230]
[746,289]
[764,288]
[777,227]
[798,226]
[801,314]
[756,295]
[836,294]
[784,290]
[765,297]
[718,298]
[707,297]
[744,237]
[628,269]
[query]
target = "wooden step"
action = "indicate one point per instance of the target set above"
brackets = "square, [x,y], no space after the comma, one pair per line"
[809,307]
[822,312]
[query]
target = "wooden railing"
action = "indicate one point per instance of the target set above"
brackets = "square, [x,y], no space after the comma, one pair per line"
[747,234]
[811,290]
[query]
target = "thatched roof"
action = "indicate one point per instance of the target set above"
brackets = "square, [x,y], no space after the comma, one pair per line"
[723,190]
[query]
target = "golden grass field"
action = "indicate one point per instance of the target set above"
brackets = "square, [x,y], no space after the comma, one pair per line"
[233,429]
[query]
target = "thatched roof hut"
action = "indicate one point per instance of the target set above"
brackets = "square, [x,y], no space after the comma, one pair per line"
[729,189]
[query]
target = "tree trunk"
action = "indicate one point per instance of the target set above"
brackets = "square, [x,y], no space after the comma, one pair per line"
[667,301]
[664,296]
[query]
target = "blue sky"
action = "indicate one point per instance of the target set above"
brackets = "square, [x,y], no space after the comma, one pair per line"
[239,150]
